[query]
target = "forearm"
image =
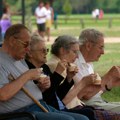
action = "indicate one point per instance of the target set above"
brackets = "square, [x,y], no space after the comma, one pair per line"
[87,93]
[73,93]
[10,89]
[81,93]
[64,88]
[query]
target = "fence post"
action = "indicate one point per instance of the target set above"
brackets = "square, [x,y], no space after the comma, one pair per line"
[110,23]
[82,23]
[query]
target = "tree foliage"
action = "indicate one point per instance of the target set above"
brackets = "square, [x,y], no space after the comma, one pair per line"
[74,6]
[67,8]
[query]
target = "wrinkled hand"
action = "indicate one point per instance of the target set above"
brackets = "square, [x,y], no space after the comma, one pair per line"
[90,91]
[90,88]
[112,77]
[71,74]
[89,79]
[44,84]
[33,74]
[62,65]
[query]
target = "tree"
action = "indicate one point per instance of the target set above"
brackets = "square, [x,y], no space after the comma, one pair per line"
[67,9]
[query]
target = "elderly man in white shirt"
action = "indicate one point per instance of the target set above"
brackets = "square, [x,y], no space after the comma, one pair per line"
[91,48]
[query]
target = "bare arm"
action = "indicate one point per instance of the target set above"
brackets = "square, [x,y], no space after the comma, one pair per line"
[77,88]
[111,78]
[10,89]
[72,93]
[89,91]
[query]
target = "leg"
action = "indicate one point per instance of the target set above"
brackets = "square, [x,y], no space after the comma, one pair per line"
[57,116]
[48,33]
[84,111]
[53,114]
[75,116]
[41,29]
[102,114]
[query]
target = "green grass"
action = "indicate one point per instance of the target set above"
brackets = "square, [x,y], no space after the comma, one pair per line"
[74,27]
[111,57]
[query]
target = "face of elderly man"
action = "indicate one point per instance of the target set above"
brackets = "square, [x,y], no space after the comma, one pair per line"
[20,44]
[95,50]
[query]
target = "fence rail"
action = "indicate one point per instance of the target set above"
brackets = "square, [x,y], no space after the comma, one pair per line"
[83,22]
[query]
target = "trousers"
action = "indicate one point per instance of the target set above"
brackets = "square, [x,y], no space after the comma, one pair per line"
[53,114]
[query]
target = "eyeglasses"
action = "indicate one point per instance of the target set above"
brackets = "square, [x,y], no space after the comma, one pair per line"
[75,51]
[44,50]
[101,47]
[25,44]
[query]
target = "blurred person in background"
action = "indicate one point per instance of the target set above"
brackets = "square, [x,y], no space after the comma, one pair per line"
[49,19]
[40,14]
[5,23]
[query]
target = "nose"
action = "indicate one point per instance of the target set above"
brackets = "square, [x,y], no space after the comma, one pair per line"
[102,51]
[27,49]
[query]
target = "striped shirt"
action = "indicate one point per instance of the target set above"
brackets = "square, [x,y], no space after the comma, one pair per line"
[8,65]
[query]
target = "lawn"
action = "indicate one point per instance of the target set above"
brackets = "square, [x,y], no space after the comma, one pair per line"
[110,25]
[110,58]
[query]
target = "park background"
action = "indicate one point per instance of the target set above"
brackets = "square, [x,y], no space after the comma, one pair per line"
[72,17]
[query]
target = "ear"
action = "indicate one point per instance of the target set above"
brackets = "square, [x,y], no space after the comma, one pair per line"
[12,41]
[88,46]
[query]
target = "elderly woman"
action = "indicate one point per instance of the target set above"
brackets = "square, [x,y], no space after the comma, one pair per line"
[37,58]
[67,48]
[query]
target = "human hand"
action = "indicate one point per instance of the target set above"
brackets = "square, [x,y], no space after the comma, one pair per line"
[90,91]
[71,71]
[89,79]
[44,83]
[33,74]
[90,88]
[111,78]
[61,66]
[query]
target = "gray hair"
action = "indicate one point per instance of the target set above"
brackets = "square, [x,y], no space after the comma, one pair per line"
[91,35]
[35,39]
[64,41]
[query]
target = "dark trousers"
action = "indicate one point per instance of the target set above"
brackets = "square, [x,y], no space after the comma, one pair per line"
[87,111]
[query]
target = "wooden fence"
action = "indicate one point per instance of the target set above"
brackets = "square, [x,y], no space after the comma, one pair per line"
[83,22]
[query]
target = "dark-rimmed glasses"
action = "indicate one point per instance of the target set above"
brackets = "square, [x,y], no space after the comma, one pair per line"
[75,51]
[44,50]
[25,44]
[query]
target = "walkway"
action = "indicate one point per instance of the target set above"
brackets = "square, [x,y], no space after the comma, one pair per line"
[107,40]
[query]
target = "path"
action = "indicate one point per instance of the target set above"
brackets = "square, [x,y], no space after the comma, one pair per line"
[107,40]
